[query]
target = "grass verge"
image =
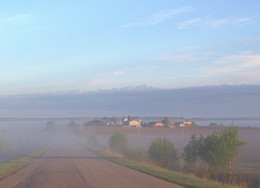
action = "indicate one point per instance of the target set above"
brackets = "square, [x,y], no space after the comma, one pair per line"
[18,163]
[185,180]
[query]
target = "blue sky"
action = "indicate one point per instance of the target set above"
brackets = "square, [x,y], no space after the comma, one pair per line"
[51,46]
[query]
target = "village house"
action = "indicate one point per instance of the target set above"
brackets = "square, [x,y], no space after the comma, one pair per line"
[132,122]
[111,121]
[114,123]
[159,124]
[155,124]
[184,124]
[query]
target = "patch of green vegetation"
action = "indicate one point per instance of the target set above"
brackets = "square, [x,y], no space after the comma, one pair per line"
[163,153]
[18,163]
[51,127]
[245,168]
[75,127]
[219,149]
[119,142]
[185,180]
[138,154]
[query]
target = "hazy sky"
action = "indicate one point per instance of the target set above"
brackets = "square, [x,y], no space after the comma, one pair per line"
[48,46]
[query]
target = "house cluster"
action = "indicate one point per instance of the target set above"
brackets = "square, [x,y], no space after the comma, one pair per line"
[136,122]
[169,123]
[131,122]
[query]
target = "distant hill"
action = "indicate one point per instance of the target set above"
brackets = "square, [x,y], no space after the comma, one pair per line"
[210,101]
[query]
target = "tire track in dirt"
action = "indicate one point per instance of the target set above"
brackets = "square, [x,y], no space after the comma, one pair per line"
[84,179]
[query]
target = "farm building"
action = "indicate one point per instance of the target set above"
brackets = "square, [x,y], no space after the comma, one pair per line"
[184,124]
[132,122]
[155,124]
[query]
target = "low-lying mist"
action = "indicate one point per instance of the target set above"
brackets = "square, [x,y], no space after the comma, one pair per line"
[20,137]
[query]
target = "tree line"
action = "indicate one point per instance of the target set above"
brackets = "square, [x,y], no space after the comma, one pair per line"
[216,150]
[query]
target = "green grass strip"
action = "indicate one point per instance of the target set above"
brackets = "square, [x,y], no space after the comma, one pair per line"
[185,180]
[18,163]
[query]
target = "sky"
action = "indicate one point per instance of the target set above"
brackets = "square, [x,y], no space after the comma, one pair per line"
[59,46]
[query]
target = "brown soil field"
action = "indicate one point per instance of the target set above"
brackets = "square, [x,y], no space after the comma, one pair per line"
[248,157]
[68,165]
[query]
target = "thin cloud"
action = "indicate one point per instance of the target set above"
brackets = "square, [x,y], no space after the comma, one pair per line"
[241,21]
[189,48]
[153,68]
[183,58]
[160,17]
[103,79]
[189,22]
[117,73]
[16,18]
[250,77]
[169,14]
[214,23]
[33,29]
[145,69]
[248,52]
[234,63]
[255,41]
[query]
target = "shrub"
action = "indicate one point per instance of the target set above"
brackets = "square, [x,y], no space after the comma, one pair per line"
[137,154]
[163,152]
[51,127]
[119,142]
[219,149]
[75,127]
[190,153]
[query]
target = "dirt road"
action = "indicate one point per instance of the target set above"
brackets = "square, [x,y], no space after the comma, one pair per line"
[67,164]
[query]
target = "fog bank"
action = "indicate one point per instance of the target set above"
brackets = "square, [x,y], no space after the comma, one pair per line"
[211,101]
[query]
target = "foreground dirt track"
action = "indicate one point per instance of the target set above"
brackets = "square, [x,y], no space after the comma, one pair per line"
[67,164]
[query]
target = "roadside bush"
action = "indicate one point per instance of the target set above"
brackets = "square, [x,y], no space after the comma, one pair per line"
[119,142]
[75,127]
[239,179]
[163,153]
[190,153]
[137,154]
[51,127]
[219,149]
